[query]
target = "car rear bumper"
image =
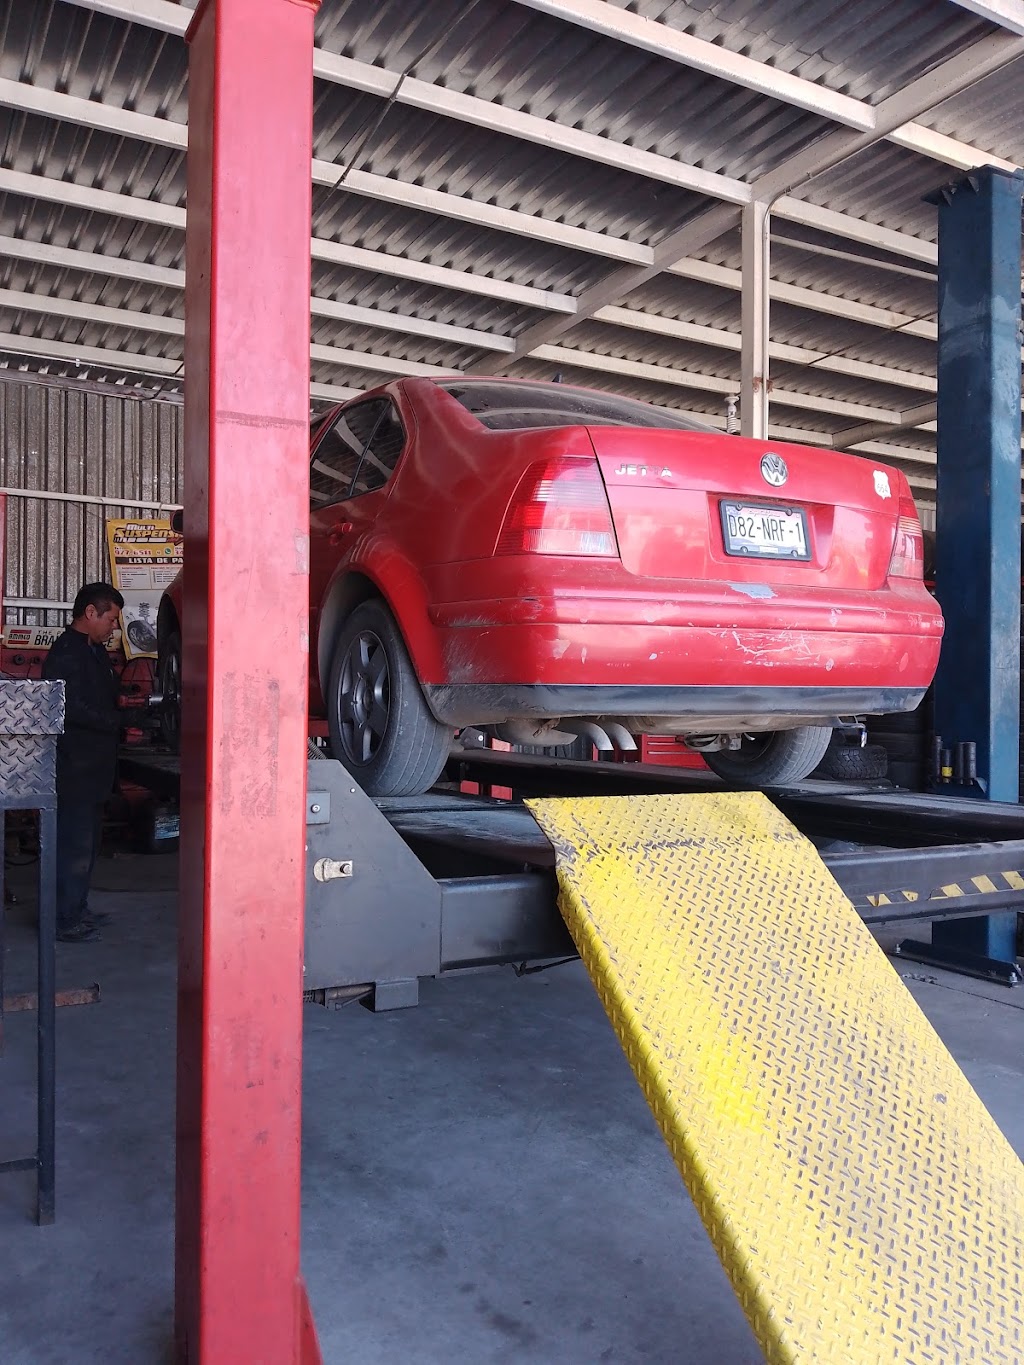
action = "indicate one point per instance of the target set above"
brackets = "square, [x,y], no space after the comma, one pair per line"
[700,672]
[653,710]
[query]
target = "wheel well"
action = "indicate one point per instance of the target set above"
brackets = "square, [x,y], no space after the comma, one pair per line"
[344,596]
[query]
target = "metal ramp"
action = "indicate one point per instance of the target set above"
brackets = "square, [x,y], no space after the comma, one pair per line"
[862,1200]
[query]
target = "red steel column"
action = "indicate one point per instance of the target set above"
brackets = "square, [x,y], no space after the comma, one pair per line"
[239,1297]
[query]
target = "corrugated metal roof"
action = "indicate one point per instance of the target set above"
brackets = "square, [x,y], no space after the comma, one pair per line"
[838,292]
[886,185]
[988,115]
[866,49]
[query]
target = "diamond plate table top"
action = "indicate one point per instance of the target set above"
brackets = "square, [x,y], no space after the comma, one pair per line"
[861,1198]
[31,708]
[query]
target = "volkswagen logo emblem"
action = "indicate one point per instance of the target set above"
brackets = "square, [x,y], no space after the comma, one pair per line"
[773,470]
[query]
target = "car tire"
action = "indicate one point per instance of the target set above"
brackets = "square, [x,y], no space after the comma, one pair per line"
[773,759]
[169,680]
[380,725]
[850,763]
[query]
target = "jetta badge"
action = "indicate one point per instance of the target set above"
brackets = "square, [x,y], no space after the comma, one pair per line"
[773,470]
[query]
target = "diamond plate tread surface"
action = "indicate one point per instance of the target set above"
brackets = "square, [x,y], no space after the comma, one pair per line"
[861,1198]
[28,766]
[31,708]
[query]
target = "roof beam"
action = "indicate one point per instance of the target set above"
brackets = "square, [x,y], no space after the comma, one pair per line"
[332,393]
[650,35]
[444,205]
[91,199]
[501,118]
[51,306]
[402,193]
[90,262]
[480,214]
[485,113]
[915,137]
[654,324]
[410,326]
[159,14]
[134,320]
[441,276]
[855,229]
[706,383]
[332,253]
[662,40]
[1008,14]
[37,99]
[171,325]
[775,187]
[386,364]
[707,272]
[85,356]
[651,323]
[923,415]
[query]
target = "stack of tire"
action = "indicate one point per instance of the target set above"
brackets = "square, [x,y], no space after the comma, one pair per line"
[904,739]
[904,736]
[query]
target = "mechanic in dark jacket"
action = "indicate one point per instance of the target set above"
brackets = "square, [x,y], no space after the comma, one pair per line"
[86,751]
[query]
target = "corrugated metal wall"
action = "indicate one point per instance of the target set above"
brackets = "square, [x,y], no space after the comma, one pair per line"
[69,440]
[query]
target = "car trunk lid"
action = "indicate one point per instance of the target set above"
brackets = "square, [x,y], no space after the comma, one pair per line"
[698,505]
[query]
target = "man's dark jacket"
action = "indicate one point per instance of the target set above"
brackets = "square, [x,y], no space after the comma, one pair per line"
[87,750]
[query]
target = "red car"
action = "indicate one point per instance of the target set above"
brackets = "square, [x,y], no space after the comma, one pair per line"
[552,561]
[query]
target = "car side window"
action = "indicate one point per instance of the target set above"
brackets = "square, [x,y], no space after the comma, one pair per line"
[384,445]
[338,454]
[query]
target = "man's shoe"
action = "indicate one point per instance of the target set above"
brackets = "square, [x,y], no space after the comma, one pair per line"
[79,933]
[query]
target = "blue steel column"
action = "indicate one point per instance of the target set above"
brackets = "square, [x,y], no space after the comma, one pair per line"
[977,689]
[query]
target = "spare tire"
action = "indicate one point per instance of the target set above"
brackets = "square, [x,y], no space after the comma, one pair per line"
[772,759]
[848,763]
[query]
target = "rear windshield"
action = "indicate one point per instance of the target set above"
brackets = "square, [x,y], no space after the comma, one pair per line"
[511,404]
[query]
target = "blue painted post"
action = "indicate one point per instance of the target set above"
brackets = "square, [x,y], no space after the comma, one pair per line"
[978,554]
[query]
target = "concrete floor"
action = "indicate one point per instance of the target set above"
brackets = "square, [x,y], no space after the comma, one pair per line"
[482,1179]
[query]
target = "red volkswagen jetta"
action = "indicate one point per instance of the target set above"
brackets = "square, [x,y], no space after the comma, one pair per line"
[552,561]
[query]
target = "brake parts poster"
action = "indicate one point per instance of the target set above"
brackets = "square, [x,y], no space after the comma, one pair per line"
[145,556]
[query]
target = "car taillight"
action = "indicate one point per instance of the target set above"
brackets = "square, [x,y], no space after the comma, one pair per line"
[908,548]
[559,508]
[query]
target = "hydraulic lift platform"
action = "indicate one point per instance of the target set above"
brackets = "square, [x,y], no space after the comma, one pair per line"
[403,887]
[863,1202]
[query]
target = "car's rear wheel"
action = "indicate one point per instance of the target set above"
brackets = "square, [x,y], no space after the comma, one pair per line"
[169,668]
[381,727]
[772,759]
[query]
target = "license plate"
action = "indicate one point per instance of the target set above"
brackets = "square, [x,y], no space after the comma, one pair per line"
[759,532]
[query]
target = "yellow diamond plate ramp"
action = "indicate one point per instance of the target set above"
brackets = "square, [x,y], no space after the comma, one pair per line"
[861,1198]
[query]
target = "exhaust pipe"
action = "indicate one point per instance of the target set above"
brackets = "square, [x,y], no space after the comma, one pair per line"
[620,737]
